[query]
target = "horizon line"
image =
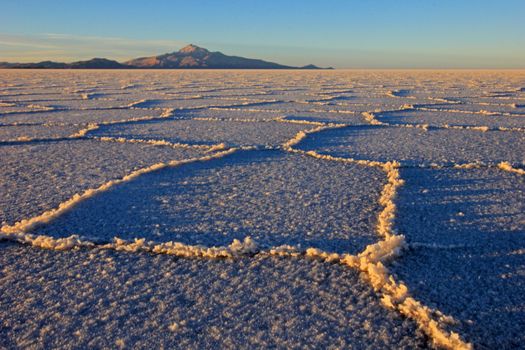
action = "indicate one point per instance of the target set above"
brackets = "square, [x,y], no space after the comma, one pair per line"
[67,48]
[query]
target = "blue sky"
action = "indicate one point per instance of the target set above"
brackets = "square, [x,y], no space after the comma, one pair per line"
[343,34]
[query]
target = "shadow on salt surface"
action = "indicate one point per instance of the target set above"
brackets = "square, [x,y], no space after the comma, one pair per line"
[476,271]
[38,98]
[107,299]
[38,176]
[180,103]
[206,132]
[286,107]
[79,116]
[276,198]
[434,118]
[323,117]
[15,108]
[28,132]
[85,103]
[263,114]
[413,146]
[509,98]
[227,114]
[476,107]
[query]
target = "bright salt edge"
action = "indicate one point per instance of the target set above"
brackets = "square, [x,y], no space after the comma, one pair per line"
[297,178]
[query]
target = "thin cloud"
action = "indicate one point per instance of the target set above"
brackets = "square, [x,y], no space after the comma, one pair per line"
[62,47]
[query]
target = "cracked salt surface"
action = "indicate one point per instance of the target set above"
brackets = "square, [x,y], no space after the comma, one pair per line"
[21,133]
[477,107]
[29,185]
[318,241]
[442,118]
[78,116]
[272,197]
[413,146]
[467,228]
[98,298]
[234,133]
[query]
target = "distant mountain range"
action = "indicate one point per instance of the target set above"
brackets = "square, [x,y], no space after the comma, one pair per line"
[189,57]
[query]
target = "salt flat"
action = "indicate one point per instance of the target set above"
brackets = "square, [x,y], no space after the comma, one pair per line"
[255,209]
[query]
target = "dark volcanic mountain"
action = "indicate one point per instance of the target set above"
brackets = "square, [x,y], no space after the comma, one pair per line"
[94,63]
[97,63]
[189,57]
[43,64]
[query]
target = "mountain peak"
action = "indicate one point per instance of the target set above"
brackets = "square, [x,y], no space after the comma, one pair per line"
[189,57]
[192,49]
